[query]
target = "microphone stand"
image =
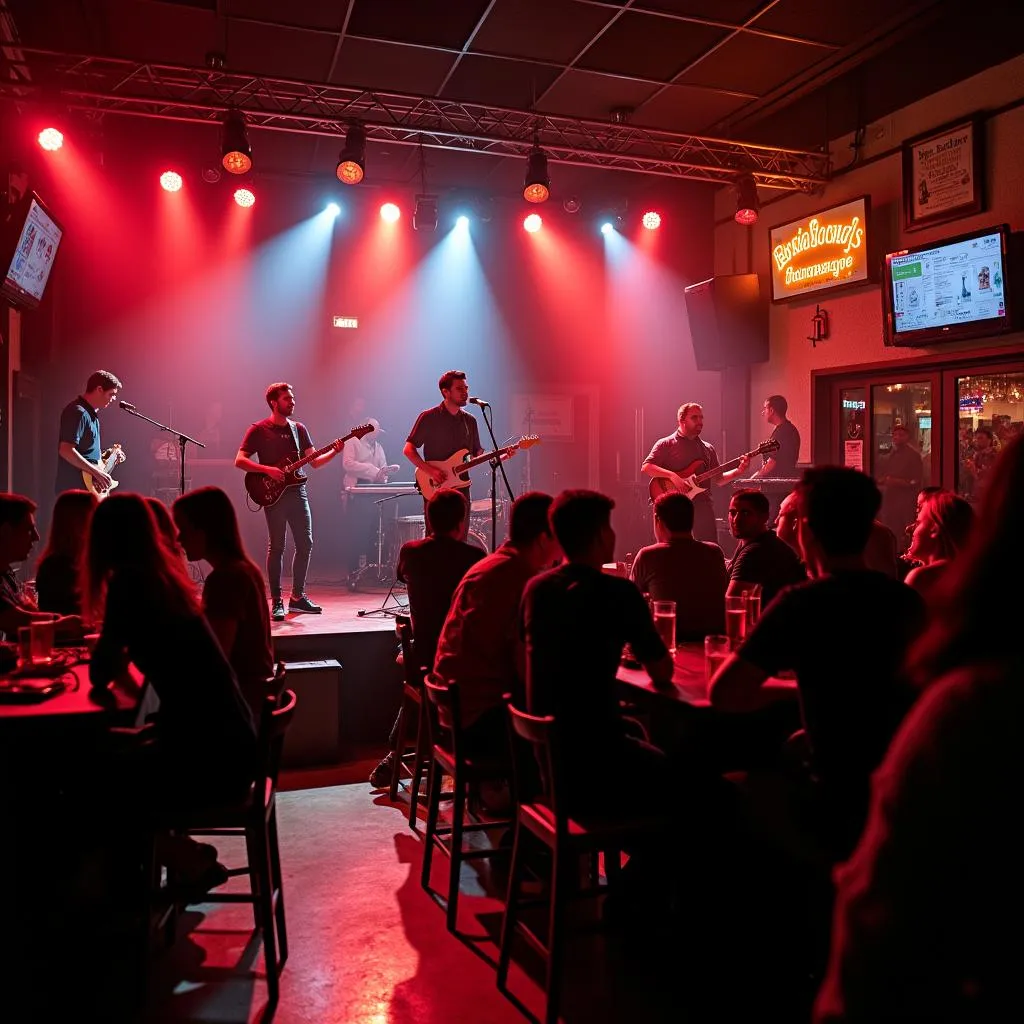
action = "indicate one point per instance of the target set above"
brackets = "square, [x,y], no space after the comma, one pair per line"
[183,440]
[496,464]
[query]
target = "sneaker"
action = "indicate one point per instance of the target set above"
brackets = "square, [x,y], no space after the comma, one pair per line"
[303,604]
[380,777]
[277,612]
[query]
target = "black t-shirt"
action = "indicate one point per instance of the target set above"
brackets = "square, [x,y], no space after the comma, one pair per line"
[57,585]
[575,620]
[273,443]
[845,636]
[677,452]
[441,435]
[768,561]
[432,568]
[79,427]
[788,454]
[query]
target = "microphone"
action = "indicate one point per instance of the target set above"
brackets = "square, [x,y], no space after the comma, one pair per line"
[480,402]
[127,406]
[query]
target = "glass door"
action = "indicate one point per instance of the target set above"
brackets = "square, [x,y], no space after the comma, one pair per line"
[990,410]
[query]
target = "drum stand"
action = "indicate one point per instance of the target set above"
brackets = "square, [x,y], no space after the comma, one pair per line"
[383,610]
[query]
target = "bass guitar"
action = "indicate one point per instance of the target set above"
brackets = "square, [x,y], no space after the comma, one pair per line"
[108,461]
[693,482]
[266,492]
[459,464]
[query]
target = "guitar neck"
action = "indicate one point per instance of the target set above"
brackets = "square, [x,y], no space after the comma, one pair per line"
[486,457]
[307,459]
[724,468]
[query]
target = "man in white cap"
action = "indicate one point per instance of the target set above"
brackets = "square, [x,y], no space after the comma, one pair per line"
[364,463]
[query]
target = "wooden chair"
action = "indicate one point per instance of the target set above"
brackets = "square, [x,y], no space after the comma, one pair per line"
[568,840]
[448,757]
[412,703]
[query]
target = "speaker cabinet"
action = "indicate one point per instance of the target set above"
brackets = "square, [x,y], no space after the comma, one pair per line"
[728,321]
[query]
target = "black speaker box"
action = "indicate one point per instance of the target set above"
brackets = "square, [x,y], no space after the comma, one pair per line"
[728,321]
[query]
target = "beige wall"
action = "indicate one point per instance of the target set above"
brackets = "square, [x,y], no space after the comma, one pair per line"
[856,315]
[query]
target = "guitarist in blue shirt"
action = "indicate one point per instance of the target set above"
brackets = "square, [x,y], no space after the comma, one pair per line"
[79,451]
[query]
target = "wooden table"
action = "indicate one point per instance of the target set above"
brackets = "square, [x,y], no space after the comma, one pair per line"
[689,681]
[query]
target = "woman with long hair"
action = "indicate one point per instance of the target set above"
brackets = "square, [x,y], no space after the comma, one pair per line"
[921,911]
[234,594]
[58,573]
[165,525]
[941,532]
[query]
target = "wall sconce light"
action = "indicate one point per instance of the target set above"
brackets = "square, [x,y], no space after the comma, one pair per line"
[819,326]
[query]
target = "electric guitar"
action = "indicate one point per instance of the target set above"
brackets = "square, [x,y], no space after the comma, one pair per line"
[266,492]
[457,466]
[114,455]
[693,482]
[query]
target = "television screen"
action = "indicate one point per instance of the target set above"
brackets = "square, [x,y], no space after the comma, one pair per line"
[948,290]
[36,237]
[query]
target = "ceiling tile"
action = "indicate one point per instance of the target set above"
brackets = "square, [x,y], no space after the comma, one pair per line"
[683,108]
[734,12]
[325,14]
[553,30]
[391,68]
[641,44]
[156,32]
[429,22]
[839,24]
[281,52]
[504,83]
[585,94]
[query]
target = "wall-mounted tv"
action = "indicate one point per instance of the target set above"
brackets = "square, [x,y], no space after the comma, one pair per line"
[28,247]
[945,291]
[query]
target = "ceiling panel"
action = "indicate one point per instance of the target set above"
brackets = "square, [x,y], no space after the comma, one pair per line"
[431,22]
[835,23]
[282,52]
[684,108]
[553,30]
[155,32]
[735,12]
[325,14]
[391,69]
[503,83]
[585,94]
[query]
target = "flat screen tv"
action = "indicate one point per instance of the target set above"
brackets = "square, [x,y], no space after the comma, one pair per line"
[30,239]
[945,291]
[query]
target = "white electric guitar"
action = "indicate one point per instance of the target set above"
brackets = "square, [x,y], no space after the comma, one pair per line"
[456,466]
[108,461]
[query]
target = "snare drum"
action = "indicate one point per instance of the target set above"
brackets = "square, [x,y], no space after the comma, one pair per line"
[410,528]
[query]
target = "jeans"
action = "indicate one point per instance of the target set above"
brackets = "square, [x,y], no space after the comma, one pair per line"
[292,510]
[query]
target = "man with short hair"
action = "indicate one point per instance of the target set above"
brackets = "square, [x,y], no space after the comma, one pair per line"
[783,462]
[762,559]
[273,440]
[479,646]
[78,448]
[681,569]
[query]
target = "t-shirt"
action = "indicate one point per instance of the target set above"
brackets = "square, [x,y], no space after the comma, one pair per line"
[236,591]
[575,621]
[845,636]
[432,568]
[691,573]
[273,444]
[788,454]
[479,647]
[441,435]
[768,561]
[79,427]
[57,585]
[678,452]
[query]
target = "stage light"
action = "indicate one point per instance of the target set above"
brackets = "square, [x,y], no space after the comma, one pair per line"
[333,209]
[244,197]
[747,203]
[390,213]
[607,228]
[424,213]
[352,161]
[51,139]
[533,223]
[651,220]
[462,222]
[237,152]
[537,187]
[170,181]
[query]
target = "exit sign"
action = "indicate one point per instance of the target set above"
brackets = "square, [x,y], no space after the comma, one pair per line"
[352,322]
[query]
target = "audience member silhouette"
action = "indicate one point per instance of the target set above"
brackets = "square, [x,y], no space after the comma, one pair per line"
[58,574]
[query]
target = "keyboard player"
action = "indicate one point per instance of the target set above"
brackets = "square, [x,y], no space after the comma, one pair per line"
[364,463]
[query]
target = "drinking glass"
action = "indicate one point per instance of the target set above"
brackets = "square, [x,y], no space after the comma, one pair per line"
[736,619]
[753,606]
[41,641]
[24,646]
[665,622]
[716,650]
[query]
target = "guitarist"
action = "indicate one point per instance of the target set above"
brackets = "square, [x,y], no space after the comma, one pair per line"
[78,449]
[273,440]
[679,451]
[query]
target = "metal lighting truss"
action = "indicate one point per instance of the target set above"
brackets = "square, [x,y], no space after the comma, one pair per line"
[165,92]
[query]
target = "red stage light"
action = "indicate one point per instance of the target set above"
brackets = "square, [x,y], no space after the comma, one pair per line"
[51,139]
[390,213]
[533,223]
[651,220]
[244,197]
[746,216]
[170,181]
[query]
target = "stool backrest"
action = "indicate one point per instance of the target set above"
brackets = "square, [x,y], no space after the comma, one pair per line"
[276,715]
[414,672]
[535,737]
[443,714]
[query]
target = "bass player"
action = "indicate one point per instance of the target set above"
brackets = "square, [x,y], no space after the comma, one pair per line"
[79,451]
[274,440]
[683,450]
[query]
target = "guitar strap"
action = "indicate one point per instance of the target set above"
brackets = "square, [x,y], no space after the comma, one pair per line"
[295,438]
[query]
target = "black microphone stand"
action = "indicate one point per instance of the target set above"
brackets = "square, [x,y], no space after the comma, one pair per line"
[183,439]
[496,464]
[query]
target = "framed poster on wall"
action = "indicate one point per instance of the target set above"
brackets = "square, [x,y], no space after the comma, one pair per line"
[944,174]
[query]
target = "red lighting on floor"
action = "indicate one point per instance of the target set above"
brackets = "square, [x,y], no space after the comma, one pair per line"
[390,213]
[170,181]
[51,140]
[244,197]
[651,220]
[533,223]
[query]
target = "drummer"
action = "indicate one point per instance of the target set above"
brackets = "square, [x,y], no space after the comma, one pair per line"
[364,464]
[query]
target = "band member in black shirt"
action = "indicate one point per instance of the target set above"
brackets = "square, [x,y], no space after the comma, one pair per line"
[79,450]
[274,439]
[783,462]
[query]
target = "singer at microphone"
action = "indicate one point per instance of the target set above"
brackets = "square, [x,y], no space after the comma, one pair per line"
[127,406]
[79,450]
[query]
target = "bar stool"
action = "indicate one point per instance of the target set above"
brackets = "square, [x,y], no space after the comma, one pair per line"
[412,703]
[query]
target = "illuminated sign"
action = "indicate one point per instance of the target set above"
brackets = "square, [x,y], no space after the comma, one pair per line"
[821,251]
[854,403]
[351,322]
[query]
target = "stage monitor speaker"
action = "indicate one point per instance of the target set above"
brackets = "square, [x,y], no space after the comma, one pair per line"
[728,321]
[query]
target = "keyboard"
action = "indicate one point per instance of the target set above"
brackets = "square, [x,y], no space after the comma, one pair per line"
[399,487]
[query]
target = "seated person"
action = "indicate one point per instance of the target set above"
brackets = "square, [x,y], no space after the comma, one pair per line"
[18,534]
[844,633]
[880,551]
[234,594]
[943,527]
[165,524]
[479,647]
[762,559]
[681,569]
[58,588]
